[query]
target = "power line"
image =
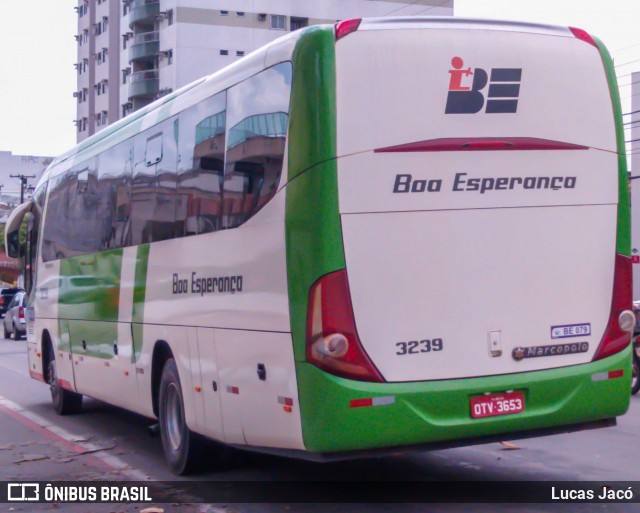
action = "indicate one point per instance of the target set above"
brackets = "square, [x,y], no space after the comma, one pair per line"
[626,63]
[625,48]
[627,75]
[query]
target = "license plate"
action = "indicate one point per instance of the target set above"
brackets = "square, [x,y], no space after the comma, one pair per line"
[497,404]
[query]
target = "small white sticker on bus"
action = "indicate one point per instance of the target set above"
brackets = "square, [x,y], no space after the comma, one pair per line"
[571,330]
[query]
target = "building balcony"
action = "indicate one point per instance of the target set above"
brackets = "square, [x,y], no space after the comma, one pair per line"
[144,45]
[143,11]
[144,83]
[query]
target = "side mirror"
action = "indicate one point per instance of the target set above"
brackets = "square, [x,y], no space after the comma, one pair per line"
[12,230]
[13,244]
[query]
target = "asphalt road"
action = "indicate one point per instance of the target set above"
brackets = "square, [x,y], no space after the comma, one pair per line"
[105,442]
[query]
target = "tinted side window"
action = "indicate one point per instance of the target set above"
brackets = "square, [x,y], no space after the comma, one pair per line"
[257,120]
[71,227]
[201,166]
[153,191]
[114,183]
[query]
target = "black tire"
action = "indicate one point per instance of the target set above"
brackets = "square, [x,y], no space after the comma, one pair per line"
[635,375]
[16,334]
[6,333]
[64,401]
[182,448]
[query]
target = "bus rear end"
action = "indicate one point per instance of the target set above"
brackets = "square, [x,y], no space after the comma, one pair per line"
[483,206]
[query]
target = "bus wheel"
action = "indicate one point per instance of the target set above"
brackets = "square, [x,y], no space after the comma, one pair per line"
[64,401]
[181,446]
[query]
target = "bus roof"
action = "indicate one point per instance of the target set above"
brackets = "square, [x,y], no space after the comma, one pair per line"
[444,22]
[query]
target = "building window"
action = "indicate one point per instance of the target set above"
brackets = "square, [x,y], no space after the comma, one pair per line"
[224,52]
[298,23]
[278,22]
[170,17]
[224,13]
[169,57]
[84,94]
[240,14]
[85,36]
[97,29]
[240,53]
[125,75]
[105,23]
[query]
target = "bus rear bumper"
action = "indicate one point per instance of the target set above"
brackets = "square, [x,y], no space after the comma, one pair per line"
[340,415]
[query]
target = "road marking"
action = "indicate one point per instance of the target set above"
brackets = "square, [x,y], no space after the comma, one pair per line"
[44,427]
[106,461]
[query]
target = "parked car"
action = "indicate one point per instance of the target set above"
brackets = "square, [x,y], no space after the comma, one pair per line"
[14,322]
[6,295]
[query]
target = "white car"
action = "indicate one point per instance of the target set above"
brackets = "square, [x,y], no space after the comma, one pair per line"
[15,323]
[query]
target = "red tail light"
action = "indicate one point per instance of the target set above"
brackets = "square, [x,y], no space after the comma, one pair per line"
[346,27]
[332,340]
[20,312]
[615,339]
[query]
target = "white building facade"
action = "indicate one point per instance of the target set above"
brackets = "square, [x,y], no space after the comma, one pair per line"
[149,48]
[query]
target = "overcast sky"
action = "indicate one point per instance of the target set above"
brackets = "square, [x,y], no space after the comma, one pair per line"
[38,51]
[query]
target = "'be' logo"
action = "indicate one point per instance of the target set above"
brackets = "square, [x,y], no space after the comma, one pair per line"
[466,85]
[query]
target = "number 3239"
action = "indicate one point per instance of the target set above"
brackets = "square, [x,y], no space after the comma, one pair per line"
[419,346]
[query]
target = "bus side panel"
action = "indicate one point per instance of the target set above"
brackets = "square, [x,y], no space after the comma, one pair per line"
[258,389]
[45,311]
[237,328]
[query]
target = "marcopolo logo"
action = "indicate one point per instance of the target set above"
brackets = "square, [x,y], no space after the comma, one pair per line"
[466,89]
[520,353]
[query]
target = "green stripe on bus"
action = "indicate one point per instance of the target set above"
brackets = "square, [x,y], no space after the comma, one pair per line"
[312,222]
[89,286]
[623,240]
[139,295]
[89,289]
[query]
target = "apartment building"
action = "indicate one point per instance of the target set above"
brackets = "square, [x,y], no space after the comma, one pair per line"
[131,52]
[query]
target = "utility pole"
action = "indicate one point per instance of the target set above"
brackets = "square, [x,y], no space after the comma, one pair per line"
[23,184]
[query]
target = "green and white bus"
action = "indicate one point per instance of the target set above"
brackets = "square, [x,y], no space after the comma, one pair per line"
[391,233]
